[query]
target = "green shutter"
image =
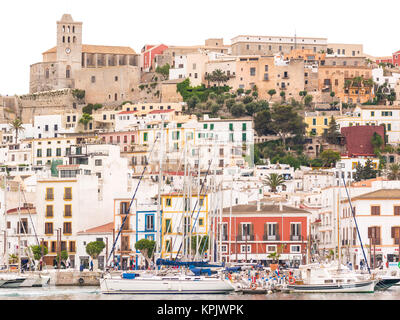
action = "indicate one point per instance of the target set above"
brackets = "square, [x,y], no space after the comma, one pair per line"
[243,137]
[212,126]
[145,136]
[244,127]
[205,126]
[231,126]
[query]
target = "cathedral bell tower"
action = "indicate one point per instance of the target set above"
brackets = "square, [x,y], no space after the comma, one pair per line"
[69,47]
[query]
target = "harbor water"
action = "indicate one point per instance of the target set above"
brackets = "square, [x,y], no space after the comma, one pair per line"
[93,293]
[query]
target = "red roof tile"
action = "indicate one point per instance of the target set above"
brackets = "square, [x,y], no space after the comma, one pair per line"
[358,139]
[161,111]
[100,229]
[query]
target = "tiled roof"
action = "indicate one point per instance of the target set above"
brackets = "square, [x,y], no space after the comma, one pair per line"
[87,48]
[106,228]
[22,210]
[273,209]
[161,111]
[127,112]
[358,139]
[382,194]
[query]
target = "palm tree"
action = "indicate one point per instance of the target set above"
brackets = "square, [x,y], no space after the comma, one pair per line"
[274,180]
[358,81]
[16,125]
[219,76]
[394,172]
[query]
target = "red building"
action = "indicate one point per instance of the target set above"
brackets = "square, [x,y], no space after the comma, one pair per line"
[148,54]
[396,58]
[124,139]
[256,231]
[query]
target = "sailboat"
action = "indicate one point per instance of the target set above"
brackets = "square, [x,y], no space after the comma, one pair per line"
[12,280]
[170,283]
[334,277]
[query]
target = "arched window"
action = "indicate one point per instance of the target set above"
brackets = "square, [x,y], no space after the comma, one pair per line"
[116,97]
[73,29]
[63,39]
[69,29]
[68,72]
[47,73]
[74,39]
[69,39]
[63,28]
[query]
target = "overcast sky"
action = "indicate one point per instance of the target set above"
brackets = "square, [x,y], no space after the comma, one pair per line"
[28,27]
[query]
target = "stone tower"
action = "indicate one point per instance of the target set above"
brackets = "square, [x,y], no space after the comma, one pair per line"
[69,49]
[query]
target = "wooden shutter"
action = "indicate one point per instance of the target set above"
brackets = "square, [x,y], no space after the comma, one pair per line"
[397,210]
[370,232]
[266,229]
[240,230]
[251,229]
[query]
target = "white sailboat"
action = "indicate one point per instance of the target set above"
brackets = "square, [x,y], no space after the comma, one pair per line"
[334,277]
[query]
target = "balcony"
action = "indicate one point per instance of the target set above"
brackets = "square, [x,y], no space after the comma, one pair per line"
[283,88]
[245,238]
[267,237]
[295,238]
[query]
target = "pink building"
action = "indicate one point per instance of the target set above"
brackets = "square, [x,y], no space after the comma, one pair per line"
[149,52]
[124,139]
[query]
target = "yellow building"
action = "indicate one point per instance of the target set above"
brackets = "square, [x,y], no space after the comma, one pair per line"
[180,218]
[318,123]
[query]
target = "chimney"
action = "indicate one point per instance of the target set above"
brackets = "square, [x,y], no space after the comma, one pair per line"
[280,206]
[258,205]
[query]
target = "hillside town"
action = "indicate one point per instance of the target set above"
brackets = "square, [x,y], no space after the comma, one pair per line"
[268,146]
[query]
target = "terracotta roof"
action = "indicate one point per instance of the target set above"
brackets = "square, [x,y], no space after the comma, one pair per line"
[87,48]
[68,166]
[22,210]
[379,107]
[106,228]
[127,112]
[161,111]
[358,139]
[273,209]
[367,183]
[382,194]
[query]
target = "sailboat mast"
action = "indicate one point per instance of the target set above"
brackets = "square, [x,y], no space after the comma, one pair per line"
[19,228]
[5,223]
[158,216]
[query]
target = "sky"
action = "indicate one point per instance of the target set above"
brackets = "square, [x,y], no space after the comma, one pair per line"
[28,28]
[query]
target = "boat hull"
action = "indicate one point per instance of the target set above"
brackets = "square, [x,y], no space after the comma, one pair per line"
[384,284]
[149,286]
[359,287]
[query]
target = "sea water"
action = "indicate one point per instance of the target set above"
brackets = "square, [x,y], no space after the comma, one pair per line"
[94,293]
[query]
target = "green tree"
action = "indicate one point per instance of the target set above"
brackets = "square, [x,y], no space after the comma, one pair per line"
[240,91]
[271,93]
[218,76]
[274,180]
[394,172]
[146,248]
[17,126]
[307,100]
[247,99]
[329,157]
[86,118]
[192,102]
[202,244]
[365,172]
[377,143]
[94,249]
[262,121]
[37,251]
[164,71]
[302,94]
[286,120]
[64,256]
[347,85]
[332,134]
[283,95]
[238,110]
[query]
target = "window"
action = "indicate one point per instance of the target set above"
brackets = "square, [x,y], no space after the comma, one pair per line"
[372,113]
[67,228]
[201,222]
[231,127]
[123,207]
[224,248]
[314,122]
[396,210]
[49,194]
[116,78]
[244,248]
[98,162]
[295,249]
[326,121]
[175,135]
[48,152]
[93,79]
[168,245]
[48,228]
[67,193]
[145,136]
[72,246]
[244,138]
[168,226]
[149,223]
[295,231]
[67,210]
[58,152]
[375,210]
[53,246]
[168,202]
[39,153]
[252,71]
[49,211]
